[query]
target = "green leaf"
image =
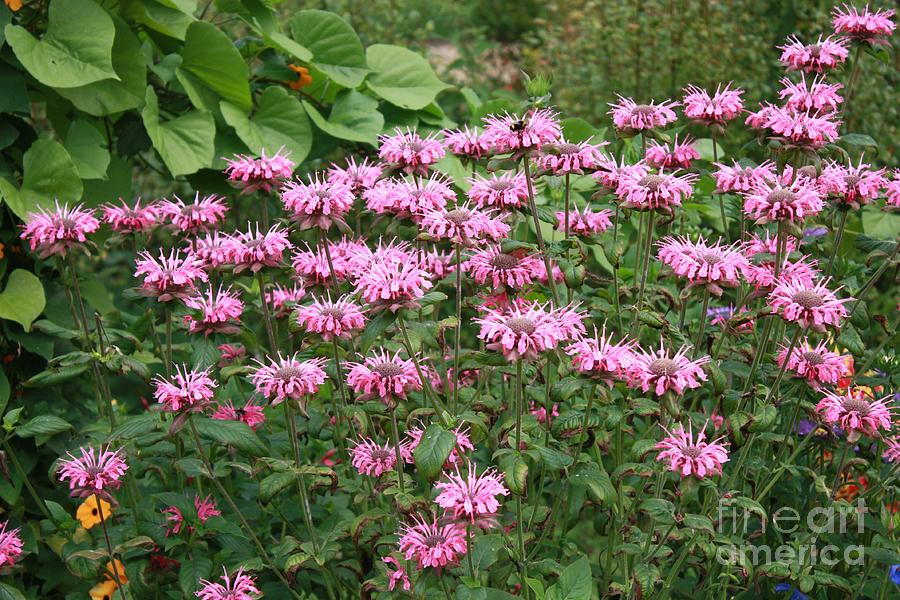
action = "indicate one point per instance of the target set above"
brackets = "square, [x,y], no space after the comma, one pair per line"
[595,479]
[574,583]
[660,510]
[577,130]
[859,139]
[699,522]
[87,147]
[23,299]
[231,433]
[135,426]
[402,77]
[184,143]
[274,483]
[336,49]
[42,425]
[210,60]
[261,18]
[109,96]
[50,175]
[4,391]
[192,571]
[75,51]
[879,224]
[433,451]
[168,18]
[8,592]
[280,120]
[354,116]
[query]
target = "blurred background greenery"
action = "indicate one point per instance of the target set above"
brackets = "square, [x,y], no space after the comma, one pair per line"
[595,49]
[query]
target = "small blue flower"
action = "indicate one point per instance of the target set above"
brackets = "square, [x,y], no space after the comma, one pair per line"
[815,232]
[795,593]
[895,574]
[783,587]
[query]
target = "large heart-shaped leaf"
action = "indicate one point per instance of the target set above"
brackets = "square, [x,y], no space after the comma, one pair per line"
[209,60]
[87,147]
[50,175]
[168,18]
[186,143]
[280,120]
[337,50]
[354,116]
[75,51]
[402,77]
[261,18]
[23,299]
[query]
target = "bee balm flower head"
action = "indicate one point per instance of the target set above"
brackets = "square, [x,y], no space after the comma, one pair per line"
[265,173]
[688,455]
[95,472]
[55,232]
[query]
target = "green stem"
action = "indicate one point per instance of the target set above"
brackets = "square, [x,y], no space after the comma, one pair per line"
[436,404]
[301,483]
[702,326]
[537,232]
[168,317]
[34,495]
[773,391]
[646,267]
[395,433]
[457,344]
[840,469]
[837,240]
[519,408]
[267,318]
[874,278]
[112,557]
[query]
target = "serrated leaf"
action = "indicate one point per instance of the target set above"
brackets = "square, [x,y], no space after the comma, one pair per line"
[595,479]
[274,483]
[232,433]
[42,425]
[575,582]
[433,450]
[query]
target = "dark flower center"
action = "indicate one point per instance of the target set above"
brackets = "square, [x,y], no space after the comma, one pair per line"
[813,358]
[458,216]
[663,367]
[781,197]
[332,311]
[521,325]
[432,540]
[852,180]
[644,109]
[711,258]
[388,369]
[861,407]
[808,299]
[381,455]
[504,261]
[415,146]
[568,148]
[808,171]
[287,372]
[652,182]
[500,185]
[814,50]
[692,451]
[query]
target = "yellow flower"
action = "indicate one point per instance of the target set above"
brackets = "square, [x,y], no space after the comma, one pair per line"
[103,590]
[88,514]
[120,571]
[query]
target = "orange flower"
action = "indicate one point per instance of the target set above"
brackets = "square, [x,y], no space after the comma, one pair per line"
[119,570]
[103,590]
[849,490]
[303,77]
[13,5]
[88,514]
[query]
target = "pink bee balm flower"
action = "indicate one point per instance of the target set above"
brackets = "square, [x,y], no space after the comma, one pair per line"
[507,190]
[94,473]
[768,244]
[608,172]
[57,231]
[813,58]
[414,437]
[356,176]
[264,173]
[816,95]
[317,203]
[802,129]
[716,109]
[392,286]
[284,299]
[467,143]
[855,185]
[311,266]
[660,372]
[397,576]
[371,459]
[891,451]
[254,250]
[800,272]
[566,157]
[174,520]
[236,587]
[433,543]
[816,364]
[409,151]
[169,277]
[470,496]
[498,268]
[212,249]
[463,225]
[251,414]
[125,218]
[199,216]
[854,411]
[10,545]
[288,377]
[862,25]
[892,195]
[438,264]
[409,198]
[382,376]
[206,508]
[679,156]
[540,412]
[737,178]
[769,201]
[331,318]
[807,305]
[186,390]
[508,133]
[630,117]
[688,456]
[585,222]
[598,356]
[220,312]
[230,354]
[642,190]
[521,331]
[702,263]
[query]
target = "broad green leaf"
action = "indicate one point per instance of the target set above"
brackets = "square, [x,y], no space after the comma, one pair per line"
[23,299]
[879,224]
[15,94]
[262,19]
[50,175]
[87,147]
[192,571]
[274,483]
[231,433]
[75,51]
[595,479]
[210,60]
[109,96]
[402,77]
[167,18]
[4,391]
[337,50]
[279,120]
[135,426]
[574,583]
[353,117]
[42,425]
[577,130]
[8,592]
[433,450]
[184,143]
